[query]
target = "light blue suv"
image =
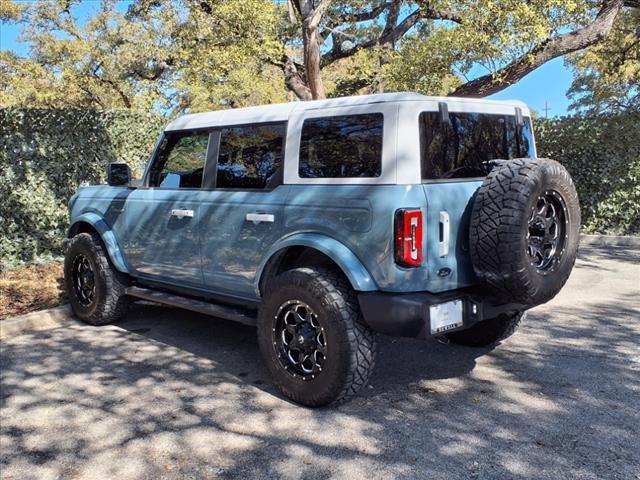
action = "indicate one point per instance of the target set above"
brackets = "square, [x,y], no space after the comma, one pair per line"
[325,222]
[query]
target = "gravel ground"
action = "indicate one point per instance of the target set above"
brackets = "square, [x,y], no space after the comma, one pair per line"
[170,394]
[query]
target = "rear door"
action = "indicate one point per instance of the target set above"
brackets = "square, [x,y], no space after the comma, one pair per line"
[161,238]
[242,214]
[456,148]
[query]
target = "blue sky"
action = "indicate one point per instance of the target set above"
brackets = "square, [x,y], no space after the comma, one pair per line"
[548,83]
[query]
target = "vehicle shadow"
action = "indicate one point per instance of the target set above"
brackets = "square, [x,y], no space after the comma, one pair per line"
[234,347]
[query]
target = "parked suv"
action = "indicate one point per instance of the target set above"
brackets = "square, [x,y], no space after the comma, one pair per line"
[326,222]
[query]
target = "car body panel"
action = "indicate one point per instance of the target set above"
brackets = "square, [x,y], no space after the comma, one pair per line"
[233,245]
[160,243]
[351,265]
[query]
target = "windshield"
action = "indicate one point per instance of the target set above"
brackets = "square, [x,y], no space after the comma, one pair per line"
[463,147]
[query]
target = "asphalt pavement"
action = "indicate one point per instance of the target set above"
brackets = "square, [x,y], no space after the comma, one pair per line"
[171,394]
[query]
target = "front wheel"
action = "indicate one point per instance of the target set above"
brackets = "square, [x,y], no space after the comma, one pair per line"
[312,337]
[488,332]
[96,290]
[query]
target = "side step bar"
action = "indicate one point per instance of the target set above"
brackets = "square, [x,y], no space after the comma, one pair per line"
[227,312]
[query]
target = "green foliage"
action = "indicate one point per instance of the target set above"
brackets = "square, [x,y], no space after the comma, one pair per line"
[437,57]
[167,55]
[607,75]
[45,155]
[603,156]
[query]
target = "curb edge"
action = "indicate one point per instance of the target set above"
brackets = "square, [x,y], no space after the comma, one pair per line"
[35,321]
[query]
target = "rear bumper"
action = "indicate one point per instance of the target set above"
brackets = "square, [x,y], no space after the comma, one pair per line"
[407,314]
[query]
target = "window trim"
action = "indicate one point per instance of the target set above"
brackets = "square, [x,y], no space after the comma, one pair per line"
[209,176]
[305,120]
[388,176]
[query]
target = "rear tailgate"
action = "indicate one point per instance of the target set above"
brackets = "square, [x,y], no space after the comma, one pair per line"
[447,257]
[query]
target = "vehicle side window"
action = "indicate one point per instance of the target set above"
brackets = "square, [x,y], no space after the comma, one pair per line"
[464,146]
[250,157]
[180,163]
[341,146]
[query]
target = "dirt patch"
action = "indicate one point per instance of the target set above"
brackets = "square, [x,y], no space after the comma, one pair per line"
[31,288]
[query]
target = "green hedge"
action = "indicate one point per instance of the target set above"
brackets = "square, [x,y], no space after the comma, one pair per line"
[46,154]
[603,156]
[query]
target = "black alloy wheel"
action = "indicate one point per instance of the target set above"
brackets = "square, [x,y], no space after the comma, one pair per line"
[299,340]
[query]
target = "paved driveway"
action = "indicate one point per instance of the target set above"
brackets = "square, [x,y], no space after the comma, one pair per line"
[178,395]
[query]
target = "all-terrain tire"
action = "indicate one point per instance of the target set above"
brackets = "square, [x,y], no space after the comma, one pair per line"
[488,332]
[500,227]
[350,344]
[109,302]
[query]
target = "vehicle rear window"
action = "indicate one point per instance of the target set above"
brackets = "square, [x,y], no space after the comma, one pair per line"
[250,156]
[341,146]
[180,163]
[462,147]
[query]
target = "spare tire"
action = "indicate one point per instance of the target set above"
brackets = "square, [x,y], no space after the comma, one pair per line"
[524,230]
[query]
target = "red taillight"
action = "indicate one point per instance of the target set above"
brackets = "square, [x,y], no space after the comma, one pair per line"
[408,237]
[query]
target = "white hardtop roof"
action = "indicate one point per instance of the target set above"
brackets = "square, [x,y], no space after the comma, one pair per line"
[280,111]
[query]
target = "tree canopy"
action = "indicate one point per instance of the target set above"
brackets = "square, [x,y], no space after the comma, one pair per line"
[607,75]
[191,55]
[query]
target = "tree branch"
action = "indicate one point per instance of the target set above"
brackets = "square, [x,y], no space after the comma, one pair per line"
[547,50]
[294,80]
[391,35]
[318,12]
[363,16]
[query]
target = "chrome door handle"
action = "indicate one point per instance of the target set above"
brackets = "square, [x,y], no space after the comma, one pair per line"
[181,213]
[445,234]
[260,217]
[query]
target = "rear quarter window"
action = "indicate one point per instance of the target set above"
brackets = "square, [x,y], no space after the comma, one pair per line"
[250,156]
[343,146]
[462,147]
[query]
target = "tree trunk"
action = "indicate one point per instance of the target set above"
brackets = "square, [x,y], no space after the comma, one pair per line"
[311,39]
[311,16]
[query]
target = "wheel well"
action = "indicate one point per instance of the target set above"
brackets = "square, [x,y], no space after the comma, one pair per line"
[296,257]
[81,227]
[86,227]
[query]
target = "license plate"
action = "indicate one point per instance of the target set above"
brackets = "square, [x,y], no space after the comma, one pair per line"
[445,316]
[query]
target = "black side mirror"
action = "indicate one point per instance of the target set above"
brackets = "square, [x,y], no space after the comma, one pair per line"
[118,174]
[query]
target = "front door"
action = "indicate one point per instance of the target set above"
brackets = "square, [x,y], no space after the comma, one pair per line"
[161,239]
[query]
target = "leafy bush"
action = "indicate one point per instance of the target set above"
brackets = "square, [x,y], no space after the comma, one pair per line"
[45,155]
[603,156]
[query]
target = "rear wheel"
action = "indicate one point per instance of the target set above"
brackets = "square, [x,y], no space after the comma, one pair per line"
[96,290]
[312,337]
[488,332]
